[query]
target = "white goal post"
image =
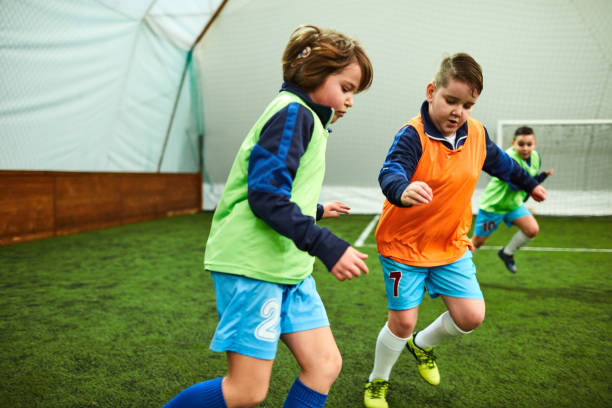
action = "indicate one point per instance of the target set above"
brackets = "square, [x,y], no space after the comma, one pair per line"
[516,123]
[580,152]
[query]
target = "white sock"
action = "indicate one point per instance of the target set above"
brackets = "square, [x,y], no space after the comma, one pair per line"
[518,240]
[388,349]
[441,329]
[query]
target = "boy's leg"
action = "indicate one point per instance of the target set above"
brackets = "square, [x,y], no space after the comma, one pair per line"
[463,316]
[456,283]
[528,229]
[248,332]
[478,241]
[247,380]
[391,341]
[459,288]
[205,394]
[469,312]
[319,358]
[439,330]
[245,385]
[404,286]
[486,223]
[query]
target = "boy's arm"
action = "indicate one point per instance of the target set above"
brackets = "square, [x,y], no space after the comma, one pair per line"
[499,164]
[272,168]
[400,164]
[544,174]
[332,209]
[541,177]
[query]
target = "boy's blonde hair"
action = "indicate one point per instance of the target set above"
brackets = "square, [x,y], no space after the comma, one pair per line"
[313,53]
[462,67]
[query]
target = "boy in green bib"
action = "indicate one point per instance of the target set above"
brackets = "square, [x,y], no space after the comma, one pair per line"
[263,237]
[502,201]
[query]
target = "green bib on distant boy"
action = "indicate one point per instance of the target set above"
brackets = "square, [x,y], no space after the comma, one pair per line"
[242,244]
[498,197]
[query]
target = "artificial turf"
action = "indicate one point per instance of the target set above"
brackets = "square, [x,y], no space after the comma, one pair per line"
[122,317]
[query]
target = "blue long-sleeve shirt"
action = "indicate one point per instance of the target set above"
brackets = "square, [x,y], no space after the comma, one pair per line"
[406,150]
[269,199]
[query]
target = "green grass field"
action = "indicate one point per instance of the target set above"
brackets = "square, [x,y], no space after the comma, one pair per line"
[122,317]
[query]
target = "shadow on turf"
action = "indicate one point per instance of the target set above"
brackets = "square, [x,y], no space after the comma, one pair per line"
[578,293]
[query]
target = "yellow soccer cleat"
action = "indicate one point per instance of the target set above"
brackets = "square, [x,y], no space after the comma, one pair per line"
[426,362]
[375,395]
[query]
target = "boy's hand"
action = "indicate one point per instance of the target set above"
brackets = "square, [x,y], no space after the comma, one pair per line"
[417,193]
[538,193]
[549,172]
[333,209]
[350,265]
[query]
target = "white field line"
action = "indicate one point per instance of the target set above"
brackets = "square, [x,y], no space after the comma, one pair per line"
[366,232]
[547,249]
[535,249]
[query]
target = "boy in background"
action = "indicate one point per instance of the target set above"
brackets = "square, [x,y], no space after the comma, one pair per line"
[504,201]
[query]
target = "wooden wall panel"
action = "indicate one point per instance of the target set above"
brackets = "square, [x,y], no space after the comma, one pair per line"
[86,201]
[143,197]
[182,193]
[36,205]
[26,207]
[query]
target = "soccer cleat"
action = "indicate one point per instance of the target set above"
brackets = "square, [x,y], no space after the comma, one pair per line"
[508,260]
[375,395]
[426,361]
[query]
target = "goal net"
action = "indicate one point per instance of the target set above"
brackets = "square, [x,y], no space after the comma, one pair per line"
[580,152]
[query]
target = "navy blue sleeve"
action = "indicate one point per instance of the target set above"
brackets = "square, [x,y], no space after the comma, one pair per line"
[400,164]
[513,187]
[541,177]
[273,165]
[320,211]
[499,164]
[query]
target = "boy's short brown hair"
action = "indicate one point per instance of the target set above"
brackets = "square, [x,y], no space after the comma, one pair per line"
[313,53]
[462,67]
[523,130]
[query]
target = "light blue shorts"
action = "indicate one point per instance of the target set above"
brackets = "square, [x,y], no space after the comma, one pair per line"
[253,313]
[487,222]
[405,285]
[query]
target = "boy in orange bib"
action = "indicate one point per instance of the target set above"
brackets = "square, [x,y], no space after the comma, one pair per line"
[428,178]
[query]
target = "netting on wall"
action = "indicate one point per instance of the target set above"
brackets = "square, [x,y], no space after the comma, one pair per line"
[96,85]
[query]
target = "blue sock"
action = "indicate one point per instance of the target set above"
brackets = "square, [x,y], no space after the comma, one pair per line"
[205,394]
[300,396]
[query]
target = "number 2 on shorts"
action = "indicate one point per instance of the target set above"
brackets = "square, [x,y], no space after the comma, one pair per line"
[267,330]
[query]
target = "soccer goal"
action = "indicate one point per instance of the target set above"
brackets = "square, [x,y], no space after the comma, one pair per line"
[580,152]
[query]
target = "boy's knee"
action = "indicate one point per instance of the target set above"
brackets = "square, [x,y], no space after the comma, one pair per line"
[531,231]
[471,320]
[245,394]
[253,398]
[478,241]
[402,327]
[407,328]
[331,366]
